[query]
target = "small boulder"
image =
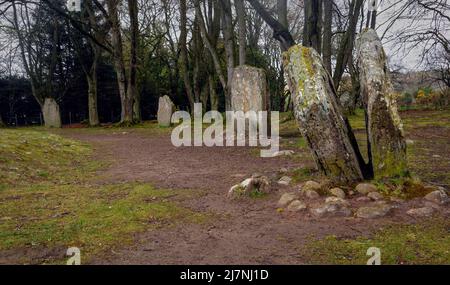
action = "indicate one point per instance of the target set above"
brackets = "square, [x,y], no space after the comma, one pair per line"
[283,170]
[285,181]
[257,183]
[296,206]
[286,199]
[311,194]
[375,196]
[365,188]
[439,197]
[377,211]
[338,192]
[337,200]
[311,185]
[421,212]
[331,210]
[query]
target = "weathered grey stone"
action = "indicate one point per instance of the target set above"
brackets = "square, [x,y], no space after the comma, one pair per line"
[283,170]
[51,113]
[376,211]
[249,91]
[319,115]
[375,196]
[439,197]
[286,199]
[421,212]
[296,206]
[285,181]
[165,110]
[257,183]
[337,200]
[365,188]
[384,126]
[311,194]
[338,192]
[331,210]
[311,185]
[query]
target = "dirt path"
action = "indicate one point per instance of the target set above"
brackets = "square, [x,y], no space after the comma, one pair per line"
[243,232]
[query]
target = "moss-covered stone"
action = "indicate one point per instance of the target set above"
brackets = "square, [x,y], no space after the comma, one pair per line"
[320,115]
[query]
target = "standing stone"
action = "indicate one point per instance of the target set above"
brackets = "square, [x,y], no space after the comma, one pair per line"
[384,126]
[320,116]
[249,90]
[50,111]
[165,111]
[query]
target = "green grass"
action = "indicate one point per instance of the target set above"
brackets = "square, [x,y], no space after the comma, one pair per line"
[48,198]
[92,218]
[28,156]
[427,243]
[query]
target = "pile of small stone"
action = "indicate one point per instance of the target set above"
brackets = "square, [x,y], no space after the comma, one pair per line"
[335,204]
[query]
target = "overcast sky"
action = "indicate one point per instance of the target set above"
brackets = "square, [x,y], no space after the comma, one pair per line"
[409,57]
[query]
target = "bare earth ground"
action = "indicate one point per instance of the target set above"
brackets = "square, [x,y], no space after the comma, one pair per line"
[249,231]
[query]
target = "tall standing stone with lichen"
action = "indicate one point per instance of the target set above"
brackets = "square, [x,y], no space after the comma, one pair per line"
[249,91]
[320,116]
[384,127]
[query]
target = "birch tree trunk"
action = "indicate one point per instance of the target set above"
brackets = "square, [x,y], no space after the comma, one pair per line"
[320,116]
[387,147]
[126,99]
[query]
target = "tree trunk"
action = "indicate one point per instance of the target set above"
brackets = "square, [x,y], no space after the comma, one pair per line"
[227,28]
[320,116]
[240,12]
[347,43]
[312,32]
[213,94]
[184,69]
[92,99]
[132,80]
[280,32]
[126,99]
[327,34]
[385,135]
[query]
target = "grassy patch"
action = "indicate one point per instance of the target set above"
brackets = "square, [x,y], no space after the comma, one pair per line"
[47,199]
[91,218]
[28,156]
[427,243]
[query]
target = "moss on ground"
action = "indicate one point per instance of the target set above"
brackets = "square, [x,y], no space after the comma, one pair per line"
[48,199]
[425,243]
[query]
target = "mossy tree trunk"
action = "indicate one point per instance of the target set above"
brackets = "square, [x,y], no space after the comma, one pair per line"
[321,118]
[387,147]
